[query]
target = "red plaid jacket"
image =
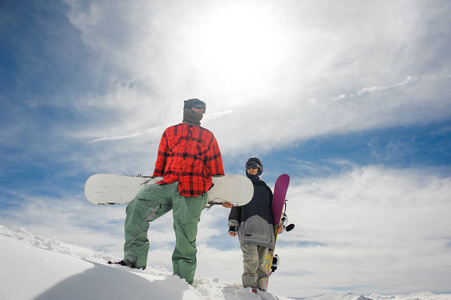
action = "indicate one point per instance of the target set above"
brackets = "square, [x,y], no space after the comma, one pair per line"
[190,155]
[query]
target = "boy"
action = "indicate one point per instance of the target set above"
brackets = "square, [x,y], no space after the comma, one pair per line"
[255,227]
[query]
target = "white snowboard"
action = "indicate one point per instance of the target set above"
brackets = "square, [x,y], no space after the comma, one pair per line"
[103,189]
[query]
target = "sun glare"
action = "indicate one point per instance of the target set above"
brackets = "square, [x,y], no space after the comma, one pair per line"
[239,43]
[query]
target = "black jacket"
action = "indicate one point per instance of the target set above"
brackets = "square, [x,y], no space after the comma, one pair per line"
[253,221]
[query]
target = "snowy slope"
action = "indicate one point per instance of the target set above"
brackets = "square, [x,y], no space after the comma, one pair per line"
[33,267]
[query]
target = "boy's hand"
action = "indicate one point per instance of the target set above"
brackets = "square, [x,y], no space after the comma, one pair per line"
[232,233]
[279,229]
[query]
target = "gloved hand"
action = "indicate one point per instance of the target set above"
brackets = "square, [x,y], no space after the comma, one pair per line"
[232,231]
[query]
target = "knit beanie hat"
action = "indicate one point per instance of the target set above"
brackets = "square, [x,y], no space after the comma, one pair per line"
[190,103]
[254,162]
[190,116]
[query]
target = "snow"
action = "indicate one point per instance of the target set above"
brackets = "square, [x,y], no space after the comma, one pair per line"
[33,267]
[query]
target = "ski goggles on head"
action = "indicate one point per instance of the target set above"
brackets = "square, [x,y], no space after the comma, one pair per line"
[196,103]
[252,165]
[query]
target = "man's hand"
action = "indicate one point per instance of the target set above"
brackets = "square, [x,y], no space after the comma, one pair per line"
[232,233]
[227,204]
[279,229]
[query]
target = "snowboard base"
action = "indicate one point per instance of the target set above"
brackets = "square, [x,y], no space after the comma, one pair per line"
[278,202]
[109,189]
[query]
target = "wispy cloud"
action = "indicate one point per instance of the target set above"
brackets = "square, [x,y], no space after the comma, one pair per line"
[373,89]
[380,88]
[155,130]
[115,138]
[171,61]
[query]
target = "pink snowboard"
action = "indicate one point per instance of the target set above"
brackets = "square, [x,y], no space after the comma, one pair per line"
[278,202]
[280,192]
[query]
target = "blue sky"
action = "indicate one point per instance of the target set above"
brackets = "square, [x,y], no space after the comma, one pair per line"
[351,98]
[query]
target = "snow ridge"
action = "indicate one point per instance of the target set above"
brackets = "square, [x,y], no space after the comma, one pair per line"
[35,267]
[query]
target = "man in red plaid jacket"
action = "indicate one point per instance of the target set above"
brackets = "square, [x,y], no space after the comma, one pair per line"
[188,157]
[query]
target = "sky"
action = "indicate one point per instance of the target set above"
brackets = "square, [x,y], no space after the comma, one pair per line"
[352,99]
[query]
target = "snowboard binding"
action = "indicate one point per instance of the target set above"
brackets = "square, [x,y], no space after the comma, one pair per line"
[275,263]
[284,219]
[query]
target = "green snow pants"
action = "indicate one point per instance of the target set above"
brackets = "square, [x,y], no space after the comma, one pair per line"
[152,202]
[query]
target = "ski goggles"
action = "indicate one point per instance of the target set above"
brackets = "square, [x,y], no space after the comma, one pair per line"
[196,103]
[252,165]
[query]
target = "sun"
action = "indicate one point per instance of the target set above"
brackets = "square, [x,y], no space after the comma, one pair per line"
[239,43]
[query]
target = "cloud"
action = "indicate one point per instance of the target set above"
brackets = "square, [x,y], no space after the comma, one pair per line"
[119,75]
[380,88]
[128,136]
[366,229]
[369,228]
[315,52]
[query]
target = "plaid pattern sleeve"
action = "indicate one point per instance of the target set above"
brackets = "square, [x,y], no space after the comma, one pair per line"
[161,157]
[188,155]
[214,160]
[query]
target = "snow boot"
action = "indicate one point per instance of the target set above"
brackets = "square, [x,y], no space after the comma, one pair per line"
[126,263]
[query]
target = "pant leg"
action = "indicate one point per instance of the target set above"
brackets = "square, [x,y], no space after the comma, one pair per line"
[262,274]
[250,265]
[152,202]
[186,214]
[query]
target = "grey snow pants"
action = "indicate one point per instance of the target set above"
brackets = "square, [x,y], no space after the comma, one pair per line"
[255,274]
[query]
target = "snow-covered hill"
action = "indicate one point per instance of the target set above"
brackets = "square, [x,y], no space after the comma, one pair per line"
[34,267]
